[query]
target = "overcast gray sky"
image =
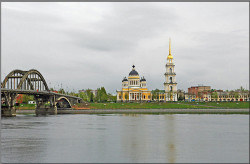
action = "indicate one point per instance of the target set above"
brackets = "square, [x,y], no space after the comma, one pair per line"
[89,45]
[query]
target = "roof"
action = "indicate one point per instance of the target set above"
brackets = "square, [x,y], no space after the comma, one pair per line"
[124,79]
[133,72]
[143,79]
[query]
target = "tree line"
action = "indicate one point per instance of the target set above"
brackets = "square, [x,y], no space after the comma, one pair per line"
[99,96]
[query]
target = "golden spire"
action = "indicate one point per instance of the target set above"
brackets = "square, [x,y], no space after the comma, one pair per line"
[170,57]
[169,46]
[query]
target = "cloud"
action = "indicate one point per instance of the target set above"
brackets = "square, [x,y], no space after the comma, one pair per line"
[89,45]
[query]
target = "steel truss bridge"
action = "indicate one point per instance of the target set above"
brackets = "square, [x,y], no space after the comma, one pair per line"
[32,83]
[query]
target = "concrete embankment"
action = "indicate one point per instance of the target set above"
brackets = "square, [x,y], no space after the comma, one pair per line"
[146,111]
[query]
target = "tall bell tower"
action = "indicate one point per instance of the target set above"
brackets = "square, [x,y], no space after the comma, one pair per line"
[170,79]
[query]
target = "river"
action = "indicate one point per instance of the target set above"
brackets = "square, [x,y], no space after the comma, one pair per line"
[126,138]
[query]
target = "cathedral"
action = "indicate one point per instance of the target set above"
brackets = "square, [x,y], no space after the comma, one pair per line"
[134,88]
[170,84]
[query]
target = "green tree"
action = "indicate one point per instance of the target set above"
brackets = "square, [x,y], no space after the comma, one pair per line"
[104,96]
[180,98]
[155,94]
[214,95]
[111,97]
[27,98]
[126,96]
[98,96]
[84,96]
[90,95]
[236,95]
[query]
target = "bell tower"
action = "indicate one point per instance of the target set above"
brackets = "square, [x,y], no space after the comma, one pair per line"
[170,84]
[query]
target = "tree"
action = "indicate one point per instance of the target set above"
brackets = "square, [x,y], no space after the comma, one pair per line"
[90,95]
[27,98]
[98,96]
[104,96]
[155,94]
[236,95]
[126,96]
[180,98]
[111,97]
[214,95]
[84,96]
[242,89]
[62,91]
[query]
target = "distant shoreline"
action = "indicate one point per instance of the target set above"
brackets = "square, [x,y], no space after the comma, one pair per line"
[145,111]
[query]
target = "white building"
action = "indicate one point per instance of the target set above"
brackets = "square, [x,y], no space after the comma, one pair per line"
[170,79]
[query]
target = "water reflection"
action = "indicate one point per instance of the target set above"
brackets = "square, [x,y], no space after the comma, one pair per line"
[126,138]
[170,135]
[28,144]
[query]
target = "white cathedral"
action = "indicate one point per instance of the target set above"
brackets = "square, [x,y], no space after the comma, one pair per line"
[170,84]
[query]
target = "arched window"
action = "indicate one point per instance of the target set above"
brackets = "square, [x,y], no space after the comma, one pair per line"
[170,79]
[170,70]
[171,88]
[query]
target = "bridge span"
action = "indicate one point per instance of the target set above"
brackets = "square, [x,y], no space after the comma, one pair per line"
[32,83]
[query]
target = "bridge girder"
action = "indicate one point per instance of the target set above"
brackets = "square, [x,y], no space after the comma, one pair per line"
[32,77]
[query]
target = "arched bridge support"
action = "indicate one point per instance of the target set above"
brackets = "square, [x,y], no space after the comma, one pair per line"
[45,105]
[8,109]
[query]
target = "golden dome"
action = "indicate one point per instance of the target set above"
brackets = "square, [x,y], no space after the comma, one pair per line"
[170,56]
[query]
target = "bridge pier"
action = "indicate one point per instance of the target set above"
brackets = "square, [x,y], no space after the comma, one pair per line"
[46,111]
[42,109]
[9,109]
[8,112]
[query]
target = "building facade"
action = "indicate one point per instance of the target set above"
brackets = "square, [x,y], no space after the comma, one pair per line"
[134,88]
[170,84]
[205,93]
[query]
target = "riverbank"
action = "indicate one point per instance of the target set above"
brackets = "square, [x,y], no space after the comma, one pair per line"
[152,105]
[171,105]
[146,111]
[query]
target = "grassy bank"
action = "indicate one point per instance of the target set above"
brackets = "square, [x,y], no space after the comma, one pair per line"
[171,105]
[26,107]
[157,105]
[226,105]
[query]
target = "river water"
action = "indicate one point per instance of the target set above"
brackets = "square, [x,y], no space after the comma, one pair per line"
[125,138]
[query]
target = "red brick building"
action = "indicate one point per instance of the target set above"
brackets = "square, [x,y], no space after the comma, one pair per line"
[199,91]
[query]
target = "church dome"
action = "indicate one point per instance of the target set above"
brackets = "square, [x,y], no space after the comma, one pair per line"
[133,72]
[125,79]
[170,57]
[143,79]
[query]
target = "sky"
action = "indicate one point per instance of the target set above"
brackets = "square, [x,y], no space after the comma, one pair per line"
[85,45]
